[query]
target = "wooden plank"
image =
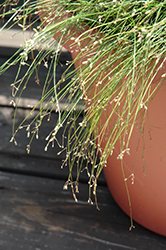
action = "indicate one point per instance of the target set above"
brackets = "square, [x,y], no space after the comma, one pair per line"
[32,94]
[41,166]
[14,37]
[38,155]
[35,213]
[38,145]
[15,158]
[30,97]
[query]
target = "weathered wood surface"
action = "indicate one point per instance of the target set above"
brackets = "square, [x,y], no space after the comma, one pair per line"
[36,213]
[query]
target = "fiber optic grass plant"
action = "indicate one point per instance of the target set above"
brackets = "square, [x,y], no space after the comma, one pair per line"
[120,47]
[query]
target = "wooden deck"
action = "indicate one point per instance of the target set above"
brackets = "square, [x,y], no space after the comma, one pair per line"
[35,212]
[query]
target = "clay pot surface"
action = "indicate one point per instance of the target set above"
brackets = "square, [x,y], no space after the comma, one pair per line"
[145,167]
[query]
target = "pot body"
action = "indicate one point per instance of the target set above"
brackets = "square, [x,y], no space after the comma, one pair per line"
[144,170]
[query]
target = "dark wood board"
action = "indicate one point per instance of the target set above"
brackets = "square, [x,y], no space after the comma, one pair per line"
[15,158]
[35,213]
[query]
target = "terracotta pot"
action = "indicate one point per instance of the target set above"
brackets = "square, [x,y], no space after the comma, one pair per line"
[144,170]
[138,183]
